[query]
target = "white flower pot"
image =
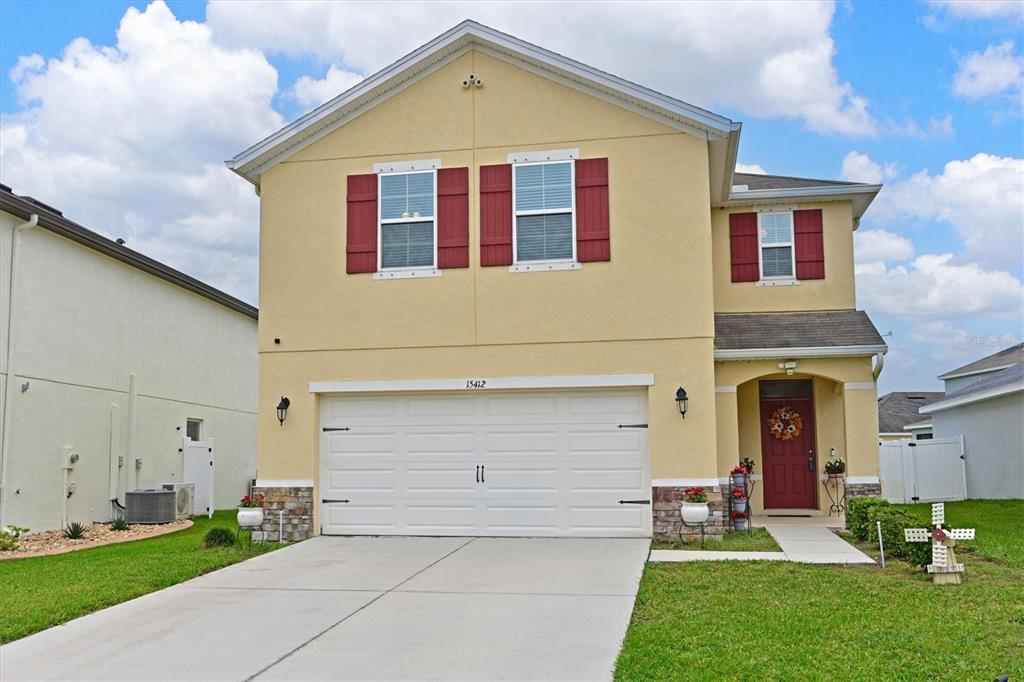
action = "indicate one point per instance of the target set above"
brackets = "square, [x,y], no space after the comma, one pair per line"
[694,512]
[250,517]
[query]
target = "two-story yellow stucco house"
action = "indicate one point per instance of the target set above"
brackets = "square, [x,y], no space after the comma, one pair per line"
[487,271]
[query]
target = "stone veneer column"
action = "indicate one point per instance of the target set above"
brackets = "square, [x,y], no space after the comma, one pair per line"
[863,490]
[296,503]
[668,520]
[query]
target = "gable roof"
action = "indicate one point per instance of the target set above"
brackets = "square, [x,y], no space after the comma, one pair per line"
[1001,360]
[752,188]
[758,181]
[898,409]
[810,334]
[53,220]
[1003,382]
[722,133]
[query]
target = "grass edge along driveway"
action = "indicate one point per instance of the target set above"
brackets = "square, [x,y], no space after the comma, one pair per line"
[39,592]
[784,621]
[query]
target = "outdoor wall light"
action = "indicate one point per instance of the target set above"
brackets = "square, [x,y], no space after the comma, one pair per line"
[282,409]
[681,400]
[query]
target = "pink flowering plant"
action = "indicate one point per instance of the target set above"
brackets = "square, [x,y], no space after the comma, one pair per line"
[251,501]
[695,495]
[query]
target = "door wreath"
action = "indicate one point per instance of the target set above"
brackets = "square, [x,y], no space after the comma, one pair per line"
[785,423]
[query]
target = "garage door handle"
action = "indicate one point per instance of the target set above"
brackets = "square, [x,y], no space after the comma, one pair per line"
[477,473]
[634,501]
[482,479]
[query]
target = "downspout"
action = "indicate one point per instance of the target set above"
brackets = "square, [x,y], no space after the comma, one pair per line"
[880,358]
[8,416]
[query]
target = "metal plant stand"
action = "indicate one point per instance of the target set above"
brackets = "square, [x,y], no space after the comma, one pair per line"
[242,529]
[703,529]
[836,497]
[748,491]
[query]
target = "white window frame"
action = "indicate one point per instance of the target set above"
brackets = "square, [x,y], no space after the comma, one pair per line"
[553,263]
[416,271]
[777,279]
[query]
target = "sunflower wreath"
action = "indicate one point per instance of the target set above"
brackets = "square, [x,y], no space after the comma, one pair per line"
[785,423]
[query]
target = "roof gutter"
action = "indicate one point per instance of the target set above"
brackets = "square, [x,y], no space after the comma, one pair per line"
[805,352]
[940,405]
[972,373]
[8,414]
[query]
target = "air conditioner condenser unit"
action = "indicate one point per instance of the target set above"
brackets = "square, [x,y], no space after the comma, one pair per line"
[184,499]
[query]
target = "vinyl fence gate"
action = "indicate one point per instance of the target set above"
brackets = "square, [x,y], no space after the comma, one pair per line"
[923,470]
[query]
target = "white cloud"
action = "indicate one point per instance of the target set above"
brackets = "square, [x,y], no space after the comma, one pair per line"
[980,9]
[941,127]
[981,197]
[312,92]
[932,286]
[764,59]
[130,139]
[996,71]
[879,247]
[859,167]
[755,168]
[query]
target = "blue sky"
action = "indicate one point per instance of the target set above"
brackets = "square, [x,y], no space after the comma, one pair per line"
[925,96]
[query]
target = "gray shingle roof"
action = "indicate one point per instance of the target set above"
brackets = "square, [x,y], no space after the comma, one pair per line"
[756,181]
[795,330]
[899,408]
[1003,358]
[1002,379]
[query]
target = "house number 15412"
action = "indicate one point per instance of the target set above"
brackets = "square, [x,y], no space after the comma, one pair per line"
[476,383]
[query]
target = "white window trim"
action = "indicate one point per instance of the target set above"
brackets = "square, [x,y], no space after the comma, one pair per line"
[779,280]
[553,264]
[404,273]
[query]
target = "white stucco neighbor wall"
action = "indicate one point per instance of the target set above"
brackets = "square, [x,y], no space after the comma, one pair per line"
[994,442]
[85,323]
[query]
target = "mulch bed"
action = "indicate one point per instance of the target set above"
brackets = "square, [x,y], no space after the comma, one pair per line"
[53,541]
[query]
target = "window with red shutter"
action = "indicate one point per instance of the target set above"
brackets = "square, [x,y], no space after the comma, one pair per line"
[361,224]
[743,247]
[809,244]
[453,218]
[593,240]
[496,215]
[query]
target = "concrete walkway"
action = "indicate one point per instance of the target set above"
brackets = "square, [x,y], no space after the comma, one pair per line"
[799,543]
[364,609]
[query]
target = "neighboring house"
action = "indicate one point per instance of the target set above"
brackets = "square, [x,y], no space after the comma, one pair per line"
[898,417]
[984,402]
[115,357]
[486,273]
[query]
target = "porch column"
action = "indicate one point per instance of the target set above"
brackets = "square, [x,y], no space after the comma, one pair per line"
[860,410]
[728,428]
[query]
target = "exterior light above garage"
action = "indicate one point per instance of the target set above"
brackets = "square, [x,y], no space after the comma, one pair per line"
[681,400]
[282,409]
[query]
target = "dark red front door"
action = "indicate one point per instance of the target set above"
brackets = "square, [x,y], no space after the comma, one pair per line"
[787,445]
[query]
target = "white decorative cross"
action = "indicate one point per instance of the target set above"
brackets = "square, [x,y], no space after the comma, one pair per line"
[944,568]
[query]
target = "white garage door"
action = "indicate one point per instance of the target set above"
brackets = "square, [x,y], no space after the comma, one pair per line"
[554,463]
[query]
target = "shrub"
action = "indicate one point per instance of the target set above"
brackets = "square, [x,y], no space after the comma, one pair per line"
[219,536]
[857,510]
[74,531]
[893,522]
[119,523]
[8,541]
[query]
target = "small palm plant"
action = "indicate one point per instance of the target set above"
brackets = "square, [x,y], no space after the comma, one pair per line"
[74,531]
[119,523]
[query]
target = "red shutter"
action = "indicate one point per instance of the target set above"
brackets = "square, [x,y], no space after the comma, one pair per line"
[453,218]
[592,224]
[496,214]
[810,244]
[361,224]
[743,247]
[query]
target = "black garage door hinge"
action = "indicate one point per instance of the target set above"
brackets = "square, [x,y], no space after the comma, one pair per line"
[632,426]
[634,501]
[336,428]
[333,501]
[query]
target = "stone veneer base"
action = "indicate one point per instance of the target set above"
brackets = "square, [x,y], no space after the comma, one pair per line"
[863,490]
[668,520]
[297,505]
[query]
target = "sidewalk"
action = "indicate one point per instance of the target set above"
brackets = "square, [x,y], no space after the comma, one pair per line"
[799,543]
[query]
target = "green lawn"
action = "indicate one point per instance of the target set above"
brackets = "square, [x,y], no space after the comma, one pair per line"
[40,592]
[781,621]
[757,540]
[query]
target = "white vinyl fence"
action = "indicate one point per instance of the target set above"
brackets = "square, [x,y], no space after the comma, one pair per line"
[923,470]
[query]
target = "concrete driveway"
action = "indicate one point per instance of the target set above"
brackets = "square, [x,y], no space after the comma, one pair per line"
[364,609]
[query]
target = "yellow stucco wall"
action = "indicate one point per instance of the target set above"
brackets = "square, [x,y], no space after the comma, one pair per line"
[647,310]
[834,292]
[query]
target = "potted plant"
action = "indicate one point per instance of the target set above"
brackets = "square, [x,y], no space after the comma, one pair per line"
[739,476]
[835,468]
[694,506]
[747,464]
[739,520]
[250,511]
[739,499]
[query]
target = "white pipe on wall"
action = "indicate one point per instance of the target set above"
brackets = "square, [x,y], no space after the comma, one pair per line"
[8,416]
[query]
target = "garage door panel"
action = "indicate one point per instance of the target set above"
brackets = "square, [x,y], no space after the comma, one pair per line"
[520,405]
[587,443]
[355,518]
[521,519]
[343,411]
[341,482]
[441,518]
[422,443]
[603,404]
[440,406]
[364,443]
[596,479]
[440,480]
[598,518]
[536,443]
[510,478]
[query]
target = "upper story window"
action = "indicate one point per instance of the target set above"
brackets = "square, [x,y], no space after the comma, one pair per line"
[408,231]
[544,205]
[775,239]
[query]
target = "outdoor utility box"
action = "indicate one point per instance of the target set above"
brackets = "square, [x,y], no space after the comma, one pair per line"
[150,505]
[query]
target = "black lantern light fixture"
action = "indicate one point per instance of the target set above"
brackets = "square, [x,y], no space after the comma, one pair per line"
[681,401]
[282,409]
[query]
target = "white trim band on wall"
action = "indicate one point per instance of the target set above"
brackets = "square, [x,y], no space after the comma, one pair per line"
[862,480]
[549,155]
[284,483]
[862,386]
[401,166]
[683,482]
[725,389]
[485,383]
